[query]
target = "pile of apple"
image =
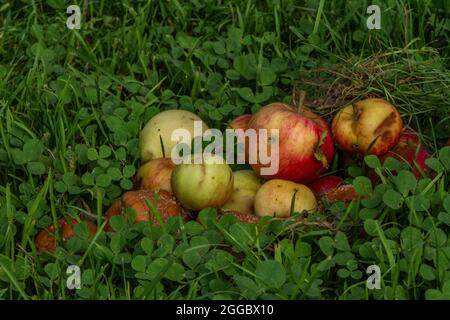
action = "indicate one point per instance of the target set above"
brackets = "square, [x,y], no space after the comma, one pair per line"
[306,149]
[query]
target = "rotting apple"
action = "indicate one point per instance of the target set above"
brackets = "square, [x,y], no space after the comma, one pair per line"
[246,184]
[243,217]
[305,143]
[45,240]
[203,185]
[277,197]
[344,192]
[162,201]
[155,174]
[325,184]
[370,126]
[155,140]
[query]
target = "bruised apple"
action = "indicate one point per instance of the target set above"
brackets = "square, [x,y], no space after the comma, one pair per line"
[304,141]
[370,126]
[325,184]
[155,174]
[203,185]
[155,140]
[275,198]
[246,184]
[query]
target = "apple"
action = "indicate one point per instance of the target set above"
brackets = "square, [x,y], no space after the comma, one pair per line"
[448,142]
[370,126]
[409,149]
[240,122]
[45,240]
[162,200]
[275,197]
[155,174]
[155,140]
[344,192]
[305,144]
[325,184]
[203,185]
[246,184]
[243,217]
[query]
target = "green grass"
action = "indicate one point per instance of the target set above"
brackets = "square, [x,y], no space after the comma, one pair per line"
[72,103]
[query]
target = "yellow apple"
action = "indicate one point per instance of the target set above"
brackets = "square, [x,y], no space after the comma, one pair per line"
[246,184]
[370,126]
[156,137]
[203,185]
[275,198]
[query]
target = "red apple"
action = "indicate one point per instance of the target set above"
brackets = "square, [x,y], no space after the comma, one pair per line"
[305,144]
[370,126]
[411,150]
[155,174]
[325,184]
[240,122]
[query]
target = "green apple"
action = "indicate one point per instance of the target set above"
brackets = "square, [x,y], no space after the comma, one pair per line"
[246,184]
[156,137]
[203,185]
[275,198]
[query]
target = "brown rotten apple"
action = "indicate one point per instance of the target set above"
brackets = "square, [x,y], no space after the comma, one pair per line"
[304,139]
[46,240]
[276,196]
[162,200]
[370,126]
[155,174]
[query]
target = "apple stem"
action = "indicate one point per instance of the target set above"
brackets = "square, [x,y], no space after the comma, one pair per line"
[299,102]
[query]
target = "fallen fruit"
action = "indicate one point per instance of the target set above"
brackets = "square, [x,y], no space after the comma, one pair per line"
[276,197]
[165,205]
[156,137]
[45,240]
[199,186]
[155,174]
[325,184]
[305,144]
[409,149]
[370,126]
[243,217]
[344,193]
[240,122]
[246,184]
